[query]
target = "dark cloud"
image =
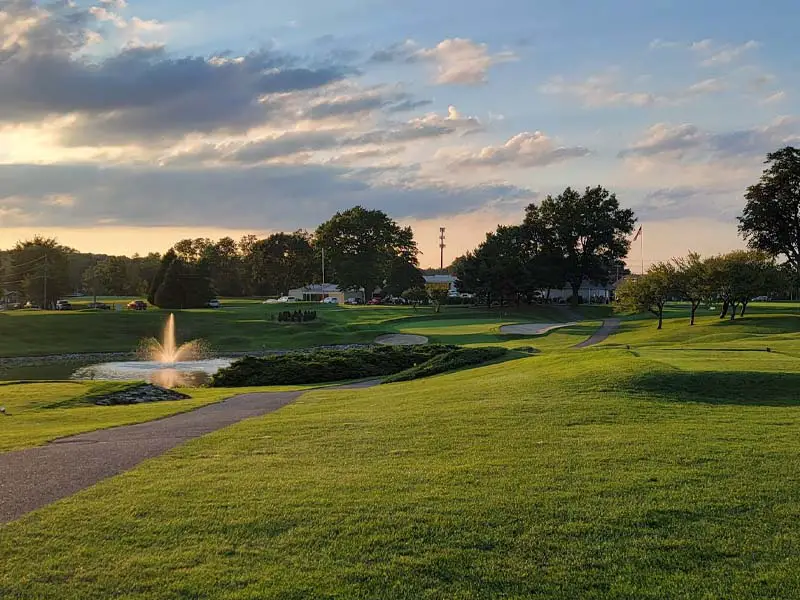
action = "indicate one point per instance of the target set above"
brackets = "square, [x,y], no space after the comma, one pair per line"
[409,105]
[690,142]
[138,91]
[271,196]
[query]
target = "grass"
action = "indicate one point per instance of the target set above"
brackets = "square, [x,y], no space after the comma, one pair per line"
[654,472]
[41,412]
[661,464]
[243,325]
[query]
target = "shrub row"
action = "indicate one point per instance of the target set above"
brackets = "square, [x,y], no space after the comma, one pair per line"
[450,361]
[325,365]
[297,316]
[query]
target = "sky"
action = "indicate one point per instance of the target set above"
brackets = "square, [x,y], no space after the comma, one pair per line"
[126,125]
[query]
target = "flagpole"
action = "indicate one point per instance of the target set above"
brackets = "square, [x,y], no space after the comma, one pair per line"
[641,246]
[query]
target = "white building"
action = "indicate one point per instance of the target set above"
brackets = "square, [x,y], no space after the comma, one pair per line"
[589,292]
[317,292]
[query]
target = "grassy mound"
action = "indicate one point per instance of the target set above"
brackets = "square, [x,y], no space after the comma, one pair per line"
[325,365]
[451,361]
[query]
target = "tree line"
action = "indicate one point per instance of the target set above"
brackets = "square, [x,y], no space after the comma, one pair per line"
[562,242]
[769,223]
[363,249]
[731,280]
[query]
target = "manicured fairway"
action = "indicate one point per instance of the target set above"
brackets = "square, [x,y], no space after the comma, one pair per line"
[650,472]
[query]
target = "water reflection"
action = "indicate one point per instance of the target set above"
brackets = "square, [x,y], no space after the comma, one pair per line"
[181,374]
[172,378]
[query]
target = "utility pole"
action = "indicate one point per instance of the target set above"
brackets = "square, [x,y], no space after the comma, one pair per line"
[441,247]
[323,266]
[44,299]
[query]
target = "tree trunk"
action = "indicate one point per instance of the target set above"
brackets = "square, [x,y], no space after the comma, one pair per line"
[575,297]
[733,310]
[744,308]
[694,310]
[660,317]
[725,306]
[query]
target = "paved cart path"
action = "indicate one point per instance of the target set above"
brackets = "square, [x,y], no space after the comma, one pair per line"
[601,335]
[35,477]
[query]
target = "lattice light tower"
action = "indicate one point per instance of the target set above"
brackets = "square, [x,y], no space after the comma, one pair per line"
[441,247]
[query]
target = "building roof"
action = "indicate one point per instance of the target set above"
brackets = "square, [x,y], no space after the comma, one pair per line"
[320,288]
[449,279]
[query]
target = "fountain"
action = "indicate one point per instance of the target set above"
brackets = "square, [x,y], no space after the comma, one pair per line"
[162,362]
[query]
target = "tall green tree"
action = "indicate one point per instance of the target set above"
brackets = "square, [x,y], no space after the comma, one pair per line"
[403,275]
[497,268]
[168,258]
[361,245]
[692,281]
[771,217]
[40,270]
[281,262]
[585,233]
[649,292]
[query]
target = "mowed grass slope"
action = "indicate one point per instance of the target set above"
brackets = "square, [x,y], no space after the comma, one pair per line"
[249,325]
[37,413]
[576,474]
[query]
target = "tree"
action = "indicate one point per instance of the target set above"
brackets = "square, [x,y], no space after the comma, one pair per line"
[649,292]
[168,258]
[438,297]
[415,295]
[403,275]
[184,284]
[225,266]
[741,275]
[280,262]
[771,218]
[498,268]
[170,293]
[692,281]
[587,234]
[40,270]
[361,245]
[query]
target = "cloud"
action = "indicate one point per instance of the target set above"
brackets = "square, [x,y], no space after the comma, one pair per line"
[707,86]
[779,96]
[283,145]
[459,61]
[687,141]
[137,91]
[274,196]
[714,55]
[598,91]
[462,61]
[395,53]
[658,44]
[523,150]
[361,101]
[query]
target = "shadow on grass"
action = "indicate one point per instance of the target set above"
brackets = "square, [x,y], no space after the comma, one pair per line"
[747,388]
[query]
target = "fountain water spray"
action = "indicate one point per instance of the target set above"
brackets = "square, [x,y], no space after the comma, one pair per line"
[167,350]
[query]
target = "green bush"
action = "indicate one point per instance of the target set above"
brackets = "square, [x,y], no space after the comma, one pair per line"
[450,361]
[325,365]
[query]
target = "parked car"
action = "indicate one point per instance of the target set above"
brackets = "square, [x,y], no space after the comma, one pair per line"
[214,304]
[137,305]
[30,304]
[330,300]
[270,301]
[285,299]
[761,299]
[354,301]
[63,305]
[375,301]
[98,306]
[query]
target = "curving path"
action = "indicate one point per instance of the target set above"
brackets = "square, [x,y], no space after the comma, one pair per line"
[35,477]
[601,335]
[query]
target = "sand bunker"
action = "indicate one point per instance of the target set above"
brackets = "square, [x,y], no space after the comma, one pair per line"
[401,339]
[533,328]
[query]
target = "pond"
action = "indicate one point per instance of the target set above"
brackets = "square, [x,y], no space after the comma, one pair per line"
[180,374]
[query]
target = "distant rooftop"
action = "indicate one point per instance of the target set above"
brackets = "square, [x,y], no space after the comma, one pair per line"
[439,279]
